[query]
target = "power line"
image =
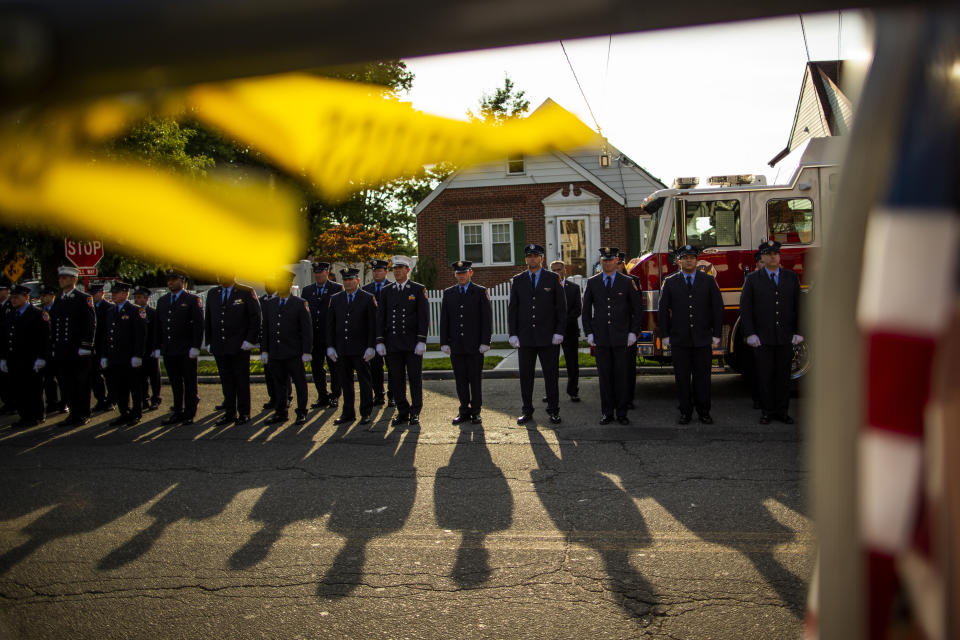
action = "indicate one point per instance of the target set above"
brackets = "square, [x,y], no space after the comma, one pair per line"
[804,32]
[587,102]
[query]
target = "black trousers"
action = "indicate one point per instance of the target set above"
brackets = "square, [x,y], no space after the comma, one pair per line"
[691,370]
[182,376]
[283,371]
[126,389]
[377,377]
[468,374]
[235,380]
[150,378]
[320,375]
[632,372]
[73,375]
[6,390]
[571,346]
[98,384]
[348,365]
[404,367]
[51,390]
[614,385]
[773,377]
[550,364]
[26,390]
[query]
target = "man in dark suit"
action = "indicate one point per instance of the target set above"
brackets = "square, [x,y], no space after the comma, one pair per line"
[55,401]
[180,320]
[466,325]
[98,384]
[318,297]
[612,321]
[351,338]
[232,328]
[632,352]
[121,345]
[23,354]
[403,319]
[571,332]
[286,345]
[691,321]
[150,371]
[769,315]
[6,397]
[537,315]
[73,324]
[376,288]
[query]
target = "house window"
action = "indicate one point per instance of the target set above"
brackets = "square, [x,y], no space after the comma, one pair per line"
[790,220]
[515,165]
[487,242]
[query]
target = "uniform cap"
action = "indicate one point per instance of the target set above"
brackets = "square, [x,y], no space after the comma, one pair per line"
[401,261]
[609,253]
[176,273]
[321,266]
[687,250]
[68,271]
[768,246]
[349,273]
[18,289]
[118,285]
[95,288]
[533,249]
[48,290]
[4,285]
[142,291]
[379,264]
[462,266]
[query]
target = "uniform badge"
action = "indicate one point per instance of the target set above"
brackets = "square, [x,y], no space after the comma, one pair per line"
[45,316]
[306,306]
[411,297]
[143,314]
[546,288]
[238,301]
[90,302]
[199,302]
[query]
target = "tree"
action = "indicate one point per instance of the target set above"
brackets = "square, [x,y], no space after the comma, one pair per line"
[353,243]
[503,104]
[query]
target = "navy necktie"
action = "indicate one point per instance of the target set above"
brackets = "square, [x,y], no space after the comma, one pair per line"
[773,278]
[378,288]
[223,297]
[609,280]
[689,281]
[349,298]
[463,290]
[533,279]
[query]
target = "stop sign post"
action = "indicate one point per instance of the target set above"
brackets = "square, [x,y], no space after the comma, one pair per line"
[84,255]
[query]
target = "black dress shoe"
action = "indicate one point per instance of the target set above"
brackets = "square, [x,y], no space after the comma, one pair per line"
[344,420]
[459,420]
[134,420]
[155,402]
[391,403]
[606,419]
[275,419]
[267,406]
[555,418]
[187,420]
[242,419]
[173,418]
[574,398]
[524,419]
[333,403]
[365,419]
[102,405]
[476,419]
[786,419]
[764,418]
[79,422]
[377,401]
[756,404]
[26,424]
[544,398]
[319,404]
[301,418]
[122,420]
[705,418]
[685,418]
[399,420]
[630,405]
[414,420]
[224,421]
[220,407]
[623,420]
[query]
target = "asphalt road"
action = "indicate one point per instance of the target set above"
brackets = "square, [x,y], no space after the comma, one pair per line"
[652,530]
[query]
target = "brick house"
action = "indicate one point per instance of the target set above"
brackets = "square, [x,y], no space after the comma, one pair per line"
[566,202]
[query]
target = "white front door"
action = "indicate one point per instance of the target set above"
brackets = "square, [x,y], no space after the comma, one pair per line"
[573,245]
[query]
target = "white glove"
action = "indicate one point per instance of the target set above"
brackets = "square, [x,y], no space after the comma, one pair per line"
[3,366]
[665,342]
[264,357]
[590,340]
[193,353]
[797,339]
[514,342]
[332,353]
[83,352]
[381,349]
[446,349]
[135,362]
[306,357]
[631,339]
[420,349]
[156,353]
[103,363]
[484,348]
[368,354]
[754,340]
[39,363]
[246,346]
[716,342]
[557,339]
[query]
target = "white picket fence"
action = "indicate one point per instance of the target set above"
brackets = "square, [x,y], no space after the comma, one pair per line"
[500,299]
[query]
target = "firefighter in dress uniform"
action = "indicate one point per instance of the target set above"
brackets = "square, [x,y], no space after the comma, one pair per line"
[403,319]
[180,318]
[121,346]
[633,351]
[232,329]
[537,316]
[55,402]
[351,338]
[376,288]
[571,331]
[318,297]
[691,321]
[270,292]
[612,320]
[73,324]
[6,398]
[287,344]
[466,326]
[24,354]
[150,371]
[769,315]
[98,383]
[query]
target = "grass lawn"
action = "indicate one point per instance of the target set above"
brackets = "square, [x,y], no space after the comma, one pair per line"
[587,360]
[209,367]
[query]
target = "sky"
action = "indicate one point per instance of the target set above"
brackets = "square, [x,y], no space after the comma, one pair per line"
[696,101]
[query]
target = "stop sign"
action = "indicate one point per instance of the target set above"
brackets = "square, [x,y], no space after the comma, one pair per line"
[83,254]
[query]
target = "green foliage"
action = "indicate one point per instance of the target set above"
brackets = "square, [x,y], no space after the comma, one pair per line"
[162,142]
[504,103]
[426,272]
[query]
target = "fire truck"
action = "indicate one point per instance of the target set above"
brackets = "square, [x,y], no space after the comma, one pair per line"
[728,221]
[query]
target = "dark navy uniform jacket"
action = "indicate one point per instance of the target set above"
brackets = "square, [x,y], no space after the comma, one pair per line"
[691,317]
[73,324]
[574,309]
[180,323]
[153,330]
[229,323]
[352,328]
[123,334]
[371,288]
[26,337]
[319,304]
[771,312]
[287,329]
[466,319]
[535,316]
[610,314]
[403,316]
[100,311]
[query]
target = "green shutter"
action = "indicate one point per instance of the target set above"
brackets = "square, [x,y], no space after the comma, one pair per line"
[519,241]
[633,238]
[453,242]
